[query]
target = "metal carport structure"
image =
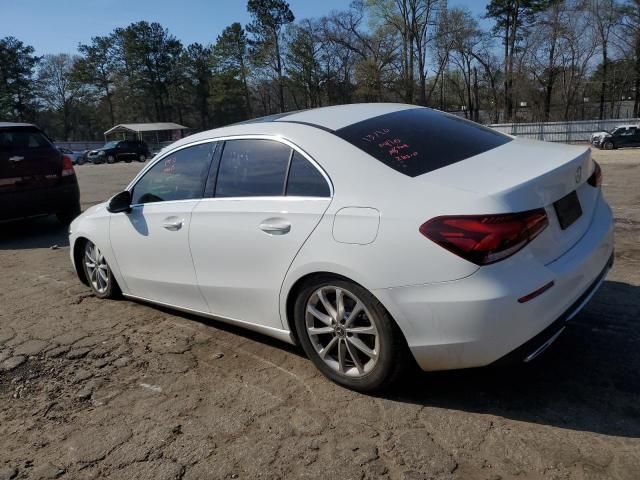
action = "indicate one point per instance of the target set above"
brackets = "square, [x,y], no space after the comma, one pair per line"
[161,132]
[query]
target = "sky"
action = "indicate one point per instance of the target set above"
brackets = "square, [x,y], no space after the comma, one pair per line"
[58,26]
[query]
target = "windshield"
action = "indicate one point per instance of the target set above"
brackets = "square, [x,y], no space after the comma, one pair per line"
[110,144]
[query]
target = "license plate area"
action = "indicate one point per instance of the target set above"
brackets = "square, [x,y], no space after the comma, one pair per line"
[568,210]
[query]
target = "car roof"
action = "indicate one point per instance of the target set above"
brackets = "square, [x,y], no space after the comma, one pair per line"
[16,124]
[334,117]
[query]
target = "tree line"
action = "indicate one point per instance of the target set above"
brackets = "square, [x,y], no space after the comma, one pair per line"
[540,60]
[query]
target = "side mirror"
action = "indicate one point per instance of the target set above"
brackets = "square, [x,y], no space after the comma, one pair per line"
[120,202]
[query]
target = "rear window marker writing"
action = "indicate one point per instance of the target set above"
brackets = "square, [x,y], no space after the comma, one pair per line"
[419,140]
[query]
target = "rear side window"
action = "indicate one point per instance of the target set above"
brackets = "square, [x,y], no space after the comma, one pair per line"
[420,140]
[21,139]
[305,180]
[178,176]
[252,168]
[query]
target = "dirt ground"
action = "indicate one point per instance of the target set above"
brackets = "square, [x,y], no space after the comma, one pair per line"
[117,389]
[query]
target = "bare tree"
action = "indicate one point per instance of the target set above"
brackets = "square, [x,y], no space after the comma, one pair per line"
[630,37]
[57,88]
[577,48]
[606,17]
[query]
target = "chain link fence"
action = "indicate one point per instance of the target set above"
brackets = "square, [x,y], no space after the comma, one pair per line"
[566,132]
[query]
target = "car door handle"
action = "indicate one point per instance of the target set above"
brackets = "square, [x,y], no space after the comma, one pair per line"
[172,224]
[16,158]
[275,226]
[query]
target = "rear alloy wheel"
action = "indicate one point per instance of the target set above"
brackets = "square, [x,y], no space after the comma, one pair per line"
[111,159]
[608,145]
[142,158]
[98,273]
[349,335]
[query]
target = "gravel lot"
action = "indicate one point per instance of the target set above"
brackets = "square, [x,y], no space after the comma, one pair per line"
[97,389]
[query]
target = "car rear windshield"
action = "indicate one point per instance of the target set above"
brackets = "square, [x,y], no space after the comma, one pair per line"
[419,140]
[22,138]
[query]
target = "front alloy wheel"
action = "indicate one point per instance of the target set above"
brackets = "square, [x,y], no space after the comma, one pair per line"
[97,272]
[348,334]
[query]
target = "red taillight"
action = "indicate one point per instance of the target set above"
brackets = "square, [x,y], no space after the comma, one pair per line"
[67,166]
[595,180]
[485,239]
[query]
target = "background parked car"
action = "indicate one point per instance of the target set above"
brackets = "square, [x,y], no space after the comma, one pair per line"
[77,158]
[620,136]
[35,177]
[116,151]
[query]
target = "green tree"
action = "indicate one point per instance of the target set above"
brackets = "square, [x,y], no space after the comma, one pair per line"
[16,79]
[197,61]
[269,18]
[231,54]
[303,63]
[98,67]
[149,56]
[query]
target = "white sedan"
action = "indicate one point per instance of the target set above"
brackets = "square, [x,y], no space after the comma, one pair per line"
[369,234]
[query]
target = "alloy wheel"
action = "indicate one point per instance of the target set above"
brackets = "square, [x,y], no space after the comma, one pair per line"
[97,268]
[342,331]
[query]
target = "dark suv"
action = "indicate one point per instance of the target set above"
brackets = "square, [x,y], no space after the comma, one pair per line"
[621,136]
[35,177]
[126,150]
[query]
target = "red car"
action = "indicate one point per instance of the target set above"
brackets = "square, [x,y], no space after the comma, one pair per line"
[35,177]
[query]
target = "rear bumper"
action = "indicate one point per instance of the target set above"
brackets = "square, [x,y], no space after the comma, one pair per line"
[42,201]
[538,344]
[477,320]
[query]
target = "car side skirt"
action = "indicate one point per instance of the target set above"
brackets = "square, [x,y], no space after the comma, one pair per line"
[282,335]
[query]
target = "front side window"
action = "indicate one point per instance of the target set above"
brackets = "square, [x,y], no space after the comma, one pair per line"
[305,180]
[252,168]
[177,176]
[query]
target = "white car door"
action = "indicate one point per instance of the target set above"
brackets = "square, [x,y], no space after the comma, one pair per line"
[151,243]
[245,237]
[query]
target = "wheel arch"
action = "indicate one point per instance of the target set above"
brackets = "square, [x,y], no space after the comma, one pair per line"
[78,248]
[298,285]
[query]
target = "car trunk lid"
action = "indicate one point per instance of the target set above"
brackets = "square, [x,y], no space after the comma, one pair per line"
[526,174]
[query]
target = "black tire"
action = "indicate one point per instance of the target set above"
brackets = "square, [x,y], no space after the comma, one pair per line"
[608,146]
[67,216]
[142,158]
[112,290]
[392,356]
[111,159]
